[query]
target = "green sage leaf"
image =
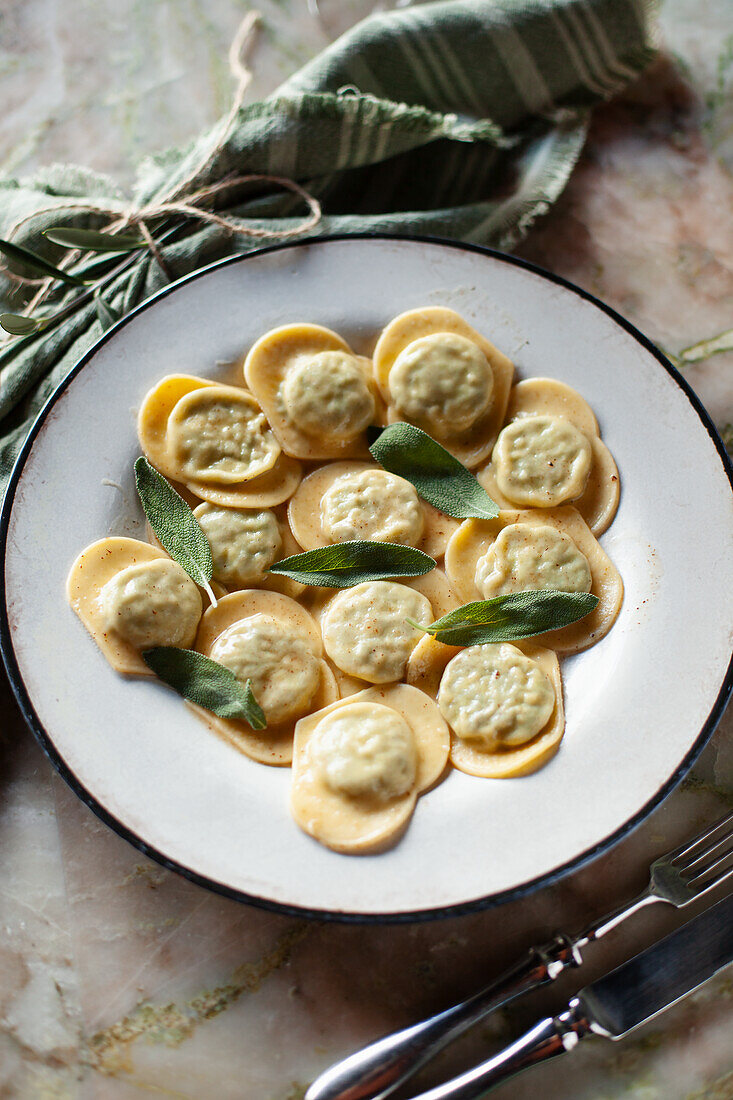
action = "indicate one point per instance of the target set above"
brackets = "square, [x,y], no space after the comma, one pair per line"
[174,524]
[511,617]
[350,563]
[35,263]
[21,326]
[206,683]
[438,477]
[92,241]
[105,314]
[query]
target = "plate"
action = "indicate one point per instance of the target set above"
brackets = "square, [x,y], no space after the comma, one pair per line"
[640,704]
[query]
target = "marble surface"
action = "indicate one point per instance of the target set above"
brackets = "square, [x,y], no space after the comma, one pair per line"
[119,979]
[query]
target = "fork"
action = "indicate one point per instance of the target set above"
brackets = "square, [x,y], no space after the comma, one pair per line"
[677,878]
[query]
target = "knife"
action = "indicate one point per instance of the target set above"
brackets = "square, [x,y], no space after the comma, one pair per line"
[615,1004]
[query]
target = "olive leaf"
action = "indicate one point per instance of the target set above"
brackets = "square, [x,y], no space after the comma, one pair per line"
[92,241]
[510,617]
[350,563]
[18,325]
[175,525]
[35,263]
[438,477]
[206,683]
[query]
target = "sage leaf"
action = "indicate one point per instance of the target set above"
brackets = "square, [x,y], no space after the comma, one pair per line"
[350,563]
[175,525]
[206,683]
[92,241]
[35,263]
[105,314]
[18,325]
[438,477]
[511,617]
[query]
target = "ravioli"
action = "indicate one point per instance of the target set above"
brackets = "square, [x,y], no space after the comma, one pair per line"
[244,542]
[317,394]
[360,764]
[474,544]
[524,557]
[541,461]
[551,401]
[132,596]
[273,641]
[433,586]
[438,373]
[498,732]
[365,629]
[343,501]
[219,435]
[278,475]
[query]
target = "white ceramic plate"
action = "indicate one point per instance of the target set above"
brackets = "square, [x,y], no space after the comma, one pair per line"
[639,705]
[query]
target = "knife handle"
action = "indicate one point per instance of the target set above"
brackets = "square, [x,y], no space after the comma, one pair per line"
[549,1038]
[373,1072]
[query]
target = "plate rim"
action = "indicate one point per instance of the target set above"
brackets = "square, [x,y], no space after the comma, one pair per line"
[488,901]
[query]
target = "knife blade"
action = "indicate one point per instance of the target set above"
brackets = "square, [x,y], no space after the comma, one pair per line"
[656,979]
[615,1004]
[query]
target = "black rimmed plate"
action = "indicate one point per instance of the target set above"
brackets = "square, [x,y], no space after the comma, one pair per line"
[640,705]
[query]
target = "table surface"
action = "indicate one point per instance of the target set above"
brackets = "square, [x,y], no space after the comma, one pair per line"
[119,979]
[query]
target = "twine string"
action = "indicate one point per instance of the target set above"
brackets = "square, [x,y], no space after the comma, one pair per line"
[175,201]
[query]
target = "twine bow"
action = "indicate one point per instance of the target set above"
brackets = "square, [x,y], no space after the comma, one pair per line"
[176,201]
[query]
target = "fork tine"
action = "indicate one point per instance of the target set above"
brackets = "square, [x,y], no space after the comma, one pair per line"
[702,888]
[713,851]
[688,847]
[718,863]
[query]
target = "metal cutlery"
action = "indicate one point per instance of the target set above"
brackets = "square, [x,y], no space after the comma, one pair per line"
[677,878]
[614,1005]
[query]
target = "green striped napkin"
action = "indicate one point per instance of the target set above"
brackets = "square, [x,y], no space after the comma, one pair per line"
[461,118]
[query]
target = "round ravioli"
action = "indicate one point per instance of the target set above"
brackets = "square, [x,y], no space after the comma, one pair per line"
[269,639]
[526,557]
[318,395]
[244,542]
[219,435]
[345,501]
[537,398]
[132,596]
[503,702]
[366,632]
[360,764]
[437,372]
[541,461]
[264,490]
[475,565]
[433,586]
[495,697]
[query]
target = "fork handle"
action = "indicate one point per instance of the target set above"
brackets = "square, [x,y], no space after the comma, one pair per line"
[373,1072]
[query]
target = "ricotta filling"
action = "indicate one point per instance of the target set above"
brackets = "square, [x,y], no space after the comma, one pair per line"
[542,461]
[152,603]
[525,557]
[366,750]
[327,395]
[220,437]
[495,697]
[365,632]
[244,543]
[372,505]
[444,380]
[282,668]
